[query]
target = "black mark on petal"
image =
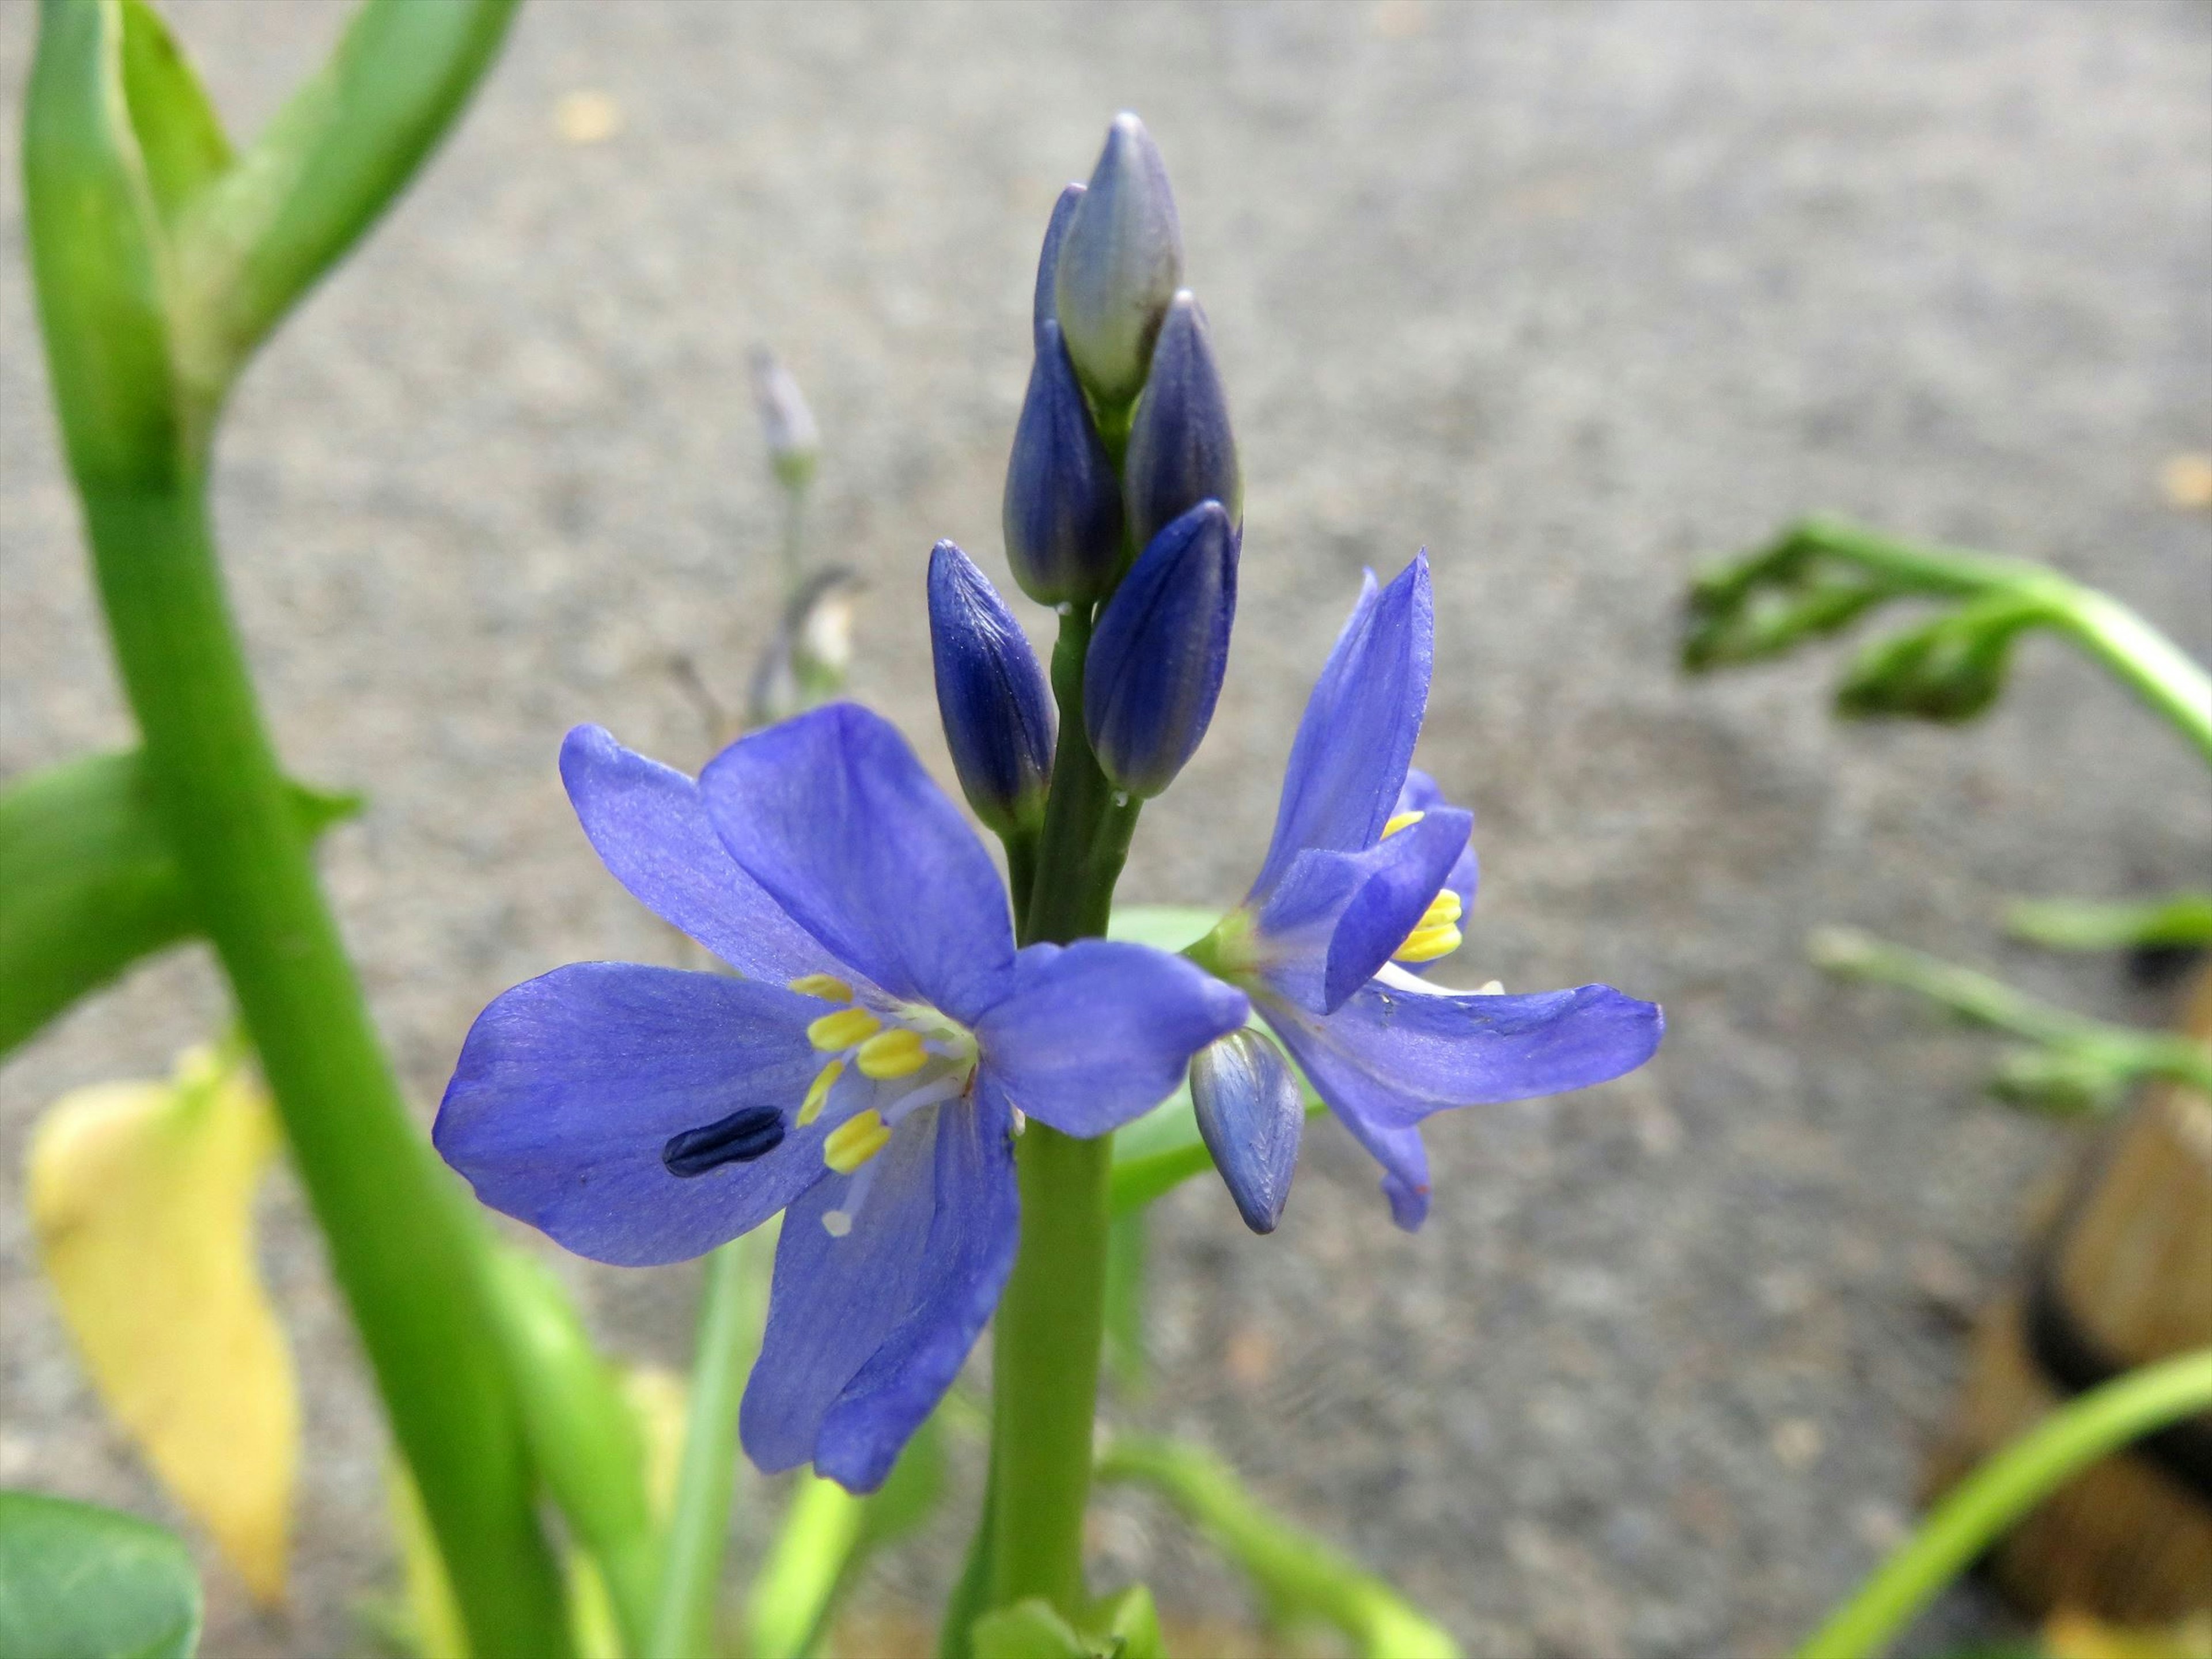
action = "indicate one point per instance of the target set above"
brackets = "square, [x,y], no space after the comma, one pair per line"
[749,1132]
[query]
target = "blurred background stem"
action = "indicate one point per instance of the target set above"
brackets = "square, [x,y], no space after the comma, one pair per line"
[731,1311]
[1978,1511]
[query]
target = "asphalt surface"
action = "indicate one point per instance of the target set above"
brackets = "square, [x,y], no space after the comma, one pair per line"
[1574,296]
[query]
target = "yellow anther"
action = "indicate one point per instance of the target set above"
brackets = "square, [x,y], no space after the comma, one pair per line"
[854,1141]
[826,985]
[818,1091]
[894,1053]
[1427,944]
[1401,821]
[843,1029]
[1444,908]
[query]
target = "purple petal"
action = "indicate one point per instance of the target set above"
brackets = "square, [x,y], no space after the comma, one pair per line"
[867,1331]
[1422,793]
[1391,1056]
[1405,1164]
[569,1086]
[646,823]
[1334,918]
[1356,735]
[1099,1032]
[833,816]
[1250,1114]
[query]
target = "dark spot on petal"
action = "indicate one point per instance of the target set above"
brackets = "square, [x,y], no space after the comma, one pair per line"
[749,1132]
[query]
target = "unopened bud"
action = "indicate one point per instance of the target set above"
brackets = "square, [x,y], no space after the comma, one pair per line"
[1181,450]
[1120,263]
[1948,670]
[991,694]
[1044,308]
[1156,664]
[795,443]
[1062,513]
[1250,1112]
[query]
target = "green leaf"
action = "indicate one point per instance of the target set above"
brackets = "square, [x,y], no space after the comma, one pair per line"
[180,140]
[90,885]
[96,255]
[1029,1630]
[826,1538]
[1163,927]
[1131,1624]
[81,1583]
[330,161]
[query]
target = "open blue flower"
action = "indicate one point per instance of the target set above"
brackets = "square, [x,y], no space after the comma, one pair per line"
[1366,878]
[866,1073]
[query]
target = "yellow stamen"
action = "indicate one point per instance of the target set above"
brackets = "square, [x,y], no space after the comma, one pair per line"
[843,1029]
[1427,944]
[854,1141]
[826,985]
[896,1052]
[1401,821]
[818,1091]
[1444,908]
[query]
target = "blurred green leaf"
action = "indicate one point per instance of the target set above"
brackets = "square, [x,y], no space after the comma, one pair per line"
[1949,670]
[1126,1243]
[96,254]
[90,885]
[1029,1630]
[2178,920]
[330,161]
[81,1583]
[827,1536]
[585,1438]
[1297,1575]
[1131,1624]
[180,140]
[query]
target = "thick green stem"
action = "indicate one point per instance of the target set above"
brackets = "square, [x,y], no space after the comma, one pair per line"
[1978,1511]
[730,1317]
[402,1245]
[1050,1321]
[1045,1383]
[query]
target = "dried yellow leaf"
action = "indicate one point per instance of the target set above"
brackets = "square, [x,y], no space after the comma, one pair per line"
[142,1197]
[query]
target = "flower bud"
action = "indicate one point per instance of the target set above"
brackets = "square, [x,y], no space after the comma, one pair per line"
[1120,264]
[1250,1112]
[1181,451]
[1155,663]
[795,442]
[1062,513]
[991,694]
[1044,308]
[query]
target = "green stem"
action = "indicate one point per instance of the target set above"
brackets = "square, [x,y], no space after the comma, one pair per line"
[2152,665]
[1051,1319]
[2004,1488]
[1296,1573]
[1986,1001]
[730,1314]
[403,1246]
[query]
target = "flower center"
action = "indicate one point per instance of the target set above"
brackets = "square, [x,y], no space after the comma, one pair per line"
[884,1064]
[1437,933]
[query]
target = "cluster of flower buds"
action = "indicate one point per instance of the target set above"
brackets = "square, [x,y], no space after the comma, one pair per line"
[1123,501]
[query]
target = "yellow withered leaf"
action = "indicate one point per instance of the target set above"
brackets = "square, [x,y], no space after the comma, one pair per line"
[142,1196]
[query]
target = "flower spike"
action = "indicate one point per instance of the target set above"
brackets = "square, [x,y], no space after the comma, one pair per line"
[991,694]
[1181,450]
[1120,264]
[1062,513]
[1155,663]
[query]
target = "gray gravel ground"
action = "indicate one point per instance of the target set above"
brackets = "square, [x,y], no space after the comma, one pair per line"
[1571,295]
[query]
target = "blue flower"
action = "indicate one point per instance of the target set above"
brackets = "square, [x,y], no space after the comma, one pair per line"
[865,1074]
[1361,882]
